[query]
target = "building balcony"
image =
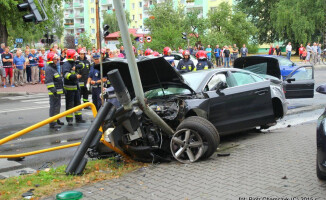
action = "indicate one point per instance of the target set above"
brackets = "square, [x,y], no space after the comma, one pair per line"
[194,3]
[78,5]
[69,26]
[79,15]
[79,25]
[67,6]
[69,16]
[106,2]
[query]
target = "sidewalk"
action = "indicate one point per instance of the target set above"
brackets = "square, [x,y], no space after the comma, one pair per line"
[23,90]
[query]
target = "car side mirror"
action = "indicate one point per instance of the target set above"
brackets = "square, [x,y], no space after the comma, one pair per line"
[293,64]
[220,86]
[321,89]
[290,80]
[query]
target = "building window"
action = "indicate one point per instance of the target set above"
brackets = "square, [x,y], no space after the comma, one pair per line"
[93,20]
[92,10]
[93,41]
[141,27]
[93,31]
[81,21]
[140,16]
[133,5]
[140,4]
[133,17]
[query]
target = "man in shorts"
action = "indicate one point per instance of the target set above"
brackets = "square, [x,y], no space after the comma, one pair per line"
[7,61]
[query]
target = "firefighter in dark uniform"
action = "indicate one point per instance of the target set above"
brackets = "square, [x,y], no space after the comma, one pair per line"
[94,81]
[203,63]
[185,64]
[83,67]
[71,86]
[167,55]
[53,81]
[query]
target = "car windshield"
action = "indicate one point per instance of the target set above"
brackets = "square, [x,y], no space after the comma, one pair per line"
[170,90]
[284,61]
[194,79]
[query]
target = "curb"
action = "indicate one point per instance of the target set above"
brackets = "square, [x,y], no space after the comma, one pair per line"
[3,94]
[304,109]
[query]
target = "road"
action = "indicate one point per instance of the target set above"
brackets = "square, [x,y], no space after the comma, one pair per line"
[18,112]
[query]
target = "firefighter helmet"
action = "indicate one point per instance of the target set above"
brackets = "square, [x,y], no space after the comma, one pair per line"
[155,53]
[51,56]
[71,54]
[166,51]
[148,52]
[185,53]
[201,55]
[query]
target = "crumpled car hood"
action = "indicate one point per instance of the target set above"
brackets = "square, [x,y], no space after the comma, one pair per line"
[155,72]
[259,65]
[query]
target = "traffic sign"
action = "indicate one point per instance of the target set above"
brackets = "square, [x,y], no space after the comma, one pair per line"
[141,39]
[76,41]
[19,40]
[148,39]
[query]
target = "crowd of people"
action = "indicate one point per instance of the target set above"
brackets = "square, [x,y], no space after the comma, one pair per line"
[308,53]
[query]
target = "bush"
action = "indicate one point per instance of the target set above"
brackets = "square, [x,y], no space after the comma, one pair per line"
[252,48]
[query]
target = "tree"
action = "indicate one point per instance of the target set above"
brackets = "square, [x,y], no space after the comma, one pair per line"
[111,20]
[227,27]
[166,25]
[197,24]
[299,21]
[13,26]
[259,13]
[85,41]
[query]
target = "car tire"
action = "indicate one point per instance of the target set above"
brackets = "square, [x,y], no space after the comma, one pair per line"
[206,130]
[320,174]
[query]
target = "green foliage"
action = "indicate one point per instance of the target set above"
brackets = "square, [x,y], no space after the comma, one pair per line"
[166,27]
[259,13]
[252,48]
[13,24]
[111,20]
[85,41]
[228,27]
[197,24]
[299,21]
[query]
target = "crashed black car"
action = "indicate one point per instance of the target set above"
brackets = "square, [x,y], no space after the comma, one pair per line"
[200,106]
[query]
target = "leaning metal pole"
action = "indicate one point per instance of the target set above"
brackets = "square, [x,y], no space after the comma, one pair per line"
[134,69]
[99,44]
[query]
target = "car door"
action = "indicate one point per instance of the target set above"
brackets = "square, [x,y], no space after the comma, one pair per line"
[300,83]
[245,103]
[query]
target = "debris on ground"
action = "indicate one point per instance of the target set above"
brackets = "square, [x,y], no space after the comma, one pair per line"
[223,154]
[284,177]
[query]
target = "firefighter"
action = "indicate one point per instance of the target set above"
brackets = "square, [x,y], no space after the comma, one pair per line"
[71,86]
[185,64]
[94,81]
[203,63]
[167,55]
[83,67]
[54,84]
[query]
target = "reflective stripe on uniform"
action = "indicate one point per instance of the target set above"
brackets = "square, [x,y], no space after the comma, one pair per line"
[85,100]
[78,113]
[195,69]
[56,75]
[50,85]
[69,116]
[206,67]
[189,67]
[70,87]
[67,75]
[81,84]
[59,91]
[183,67]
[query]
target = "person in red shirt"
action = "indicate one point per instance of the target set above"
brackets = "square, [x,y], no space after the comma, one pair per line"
[301,50]
[271,50]
[304,55]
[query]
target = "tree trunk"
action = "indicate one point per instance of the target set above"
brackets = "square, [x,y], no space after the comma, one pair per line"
[3,33]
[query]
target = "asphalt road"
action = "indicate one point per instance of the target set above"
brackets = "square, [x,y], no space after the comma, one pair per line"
[19,112]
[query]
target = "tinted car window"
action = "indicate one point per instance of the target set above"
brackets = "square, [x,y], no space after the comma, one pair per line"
[303,73]
[284,61]
[177,57]
[242,78]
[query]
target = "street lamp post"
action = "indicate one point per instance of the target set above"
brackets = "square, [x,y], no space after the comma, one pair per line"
[99,45]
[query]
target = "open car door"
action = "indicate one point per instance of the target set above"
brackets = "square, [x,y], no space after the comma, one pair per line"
[300,83]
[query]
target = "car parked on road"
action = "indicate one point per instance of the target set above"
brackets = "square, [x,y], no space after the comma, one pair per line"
[321,141]
[299,80]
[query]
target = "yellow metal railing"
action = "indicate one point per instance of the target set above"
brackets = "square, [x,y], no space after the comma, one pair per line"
[47,121]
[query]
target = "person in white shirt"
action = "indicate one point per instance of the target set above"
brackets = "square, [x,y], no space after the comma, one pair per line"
[2,72]
[288,50]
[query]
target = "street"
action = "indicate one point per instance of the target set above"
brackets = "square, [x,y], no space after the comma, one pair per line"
[255,167]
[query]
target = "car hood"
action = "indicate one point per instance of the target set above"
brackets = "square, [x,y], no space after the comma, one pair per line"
[259,65]
[155,72]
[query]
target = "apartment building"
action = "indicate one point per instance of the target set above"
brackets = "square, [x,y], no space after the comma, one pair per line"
[80,15]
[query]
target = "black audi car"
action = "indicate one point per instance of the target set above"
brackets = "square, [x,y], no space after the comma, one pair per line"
[231,99]
[321,141]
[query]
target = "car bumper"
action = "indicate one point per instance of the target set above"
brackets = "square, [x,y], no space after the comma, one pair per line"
[321,143]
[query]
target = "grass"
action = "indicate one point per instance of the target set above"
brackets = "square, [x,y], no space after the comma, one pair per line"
[54,180]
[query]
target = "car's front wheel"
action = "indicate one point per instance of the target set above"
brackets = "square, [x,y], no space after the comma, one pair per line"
[196,138]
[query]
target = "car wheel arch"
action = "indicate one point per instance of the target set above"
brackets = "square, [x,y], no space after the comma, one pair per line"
[277,108]
[197,112]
